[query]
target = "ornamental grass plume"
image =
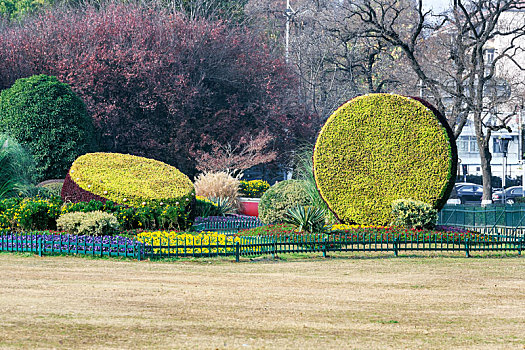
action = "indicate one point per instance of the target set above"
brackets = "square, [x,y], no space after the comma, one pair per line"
[218,185]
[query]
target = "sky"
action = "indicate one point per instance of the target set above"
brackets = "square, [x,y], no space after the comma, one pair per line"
[437,5]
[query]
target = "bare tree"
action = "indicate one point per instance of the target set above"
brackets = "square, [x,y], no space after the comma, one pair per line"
[333,61]
[231,11]
[447,52]
[234,159]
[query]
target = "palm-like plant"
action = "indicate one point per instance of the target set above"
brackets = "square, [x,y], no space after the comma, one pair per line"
[304,170]
[223,205]
[309,219]
[16,168]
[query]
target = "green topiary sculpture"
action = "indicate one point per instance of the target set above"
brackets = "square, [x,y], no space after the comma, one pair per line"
[128,180]
[379,148]
[50,120]
[282,196]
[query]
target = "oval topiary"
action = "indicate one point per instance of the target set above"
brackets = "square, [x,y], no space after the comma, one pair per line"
[276,201]
[379,148]
[50,120]
[125,179]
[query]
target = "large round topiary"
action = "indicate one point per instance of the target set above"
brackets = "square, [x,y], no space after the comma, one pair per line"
[378,148]
[128,180]
[276,201]
[50,120]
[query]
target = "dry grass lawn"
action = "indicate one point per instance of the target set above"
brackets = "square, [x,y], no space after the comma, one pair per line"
[426,302]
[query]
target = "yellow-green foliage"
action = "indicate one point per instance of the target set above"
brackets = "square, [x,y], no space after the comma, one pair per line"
[413,214]
[279,198]
[378,148]
[29,214]
[95,223]
[131,180]
[253,188]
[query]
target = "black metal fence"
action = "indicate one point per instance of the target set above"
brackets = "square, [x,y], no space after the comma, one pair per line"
[505,220]
[261,245]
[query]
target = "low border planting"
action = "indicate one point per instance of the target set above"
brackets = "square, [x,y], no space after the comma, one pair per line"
[167,244]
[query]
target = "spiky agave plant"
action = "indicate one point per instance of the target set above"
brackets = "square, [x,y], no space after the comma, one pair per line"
[224,205]
[304,171]
[309,219]
[16,168]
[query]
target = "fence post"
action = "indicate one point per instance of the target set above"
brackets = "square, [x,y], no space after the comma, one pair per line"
[274,246]
[237,251]
[324,247]
[520,247]
[138,251]
[467,250]
[40,246]
[396,247]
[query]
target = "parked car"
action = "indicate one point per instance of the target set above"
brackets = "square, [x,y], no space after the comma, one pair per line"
[508,196]
[465,193]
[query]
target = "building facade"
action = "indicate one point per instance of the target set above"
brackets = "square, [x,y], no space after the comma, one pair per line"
[511,76]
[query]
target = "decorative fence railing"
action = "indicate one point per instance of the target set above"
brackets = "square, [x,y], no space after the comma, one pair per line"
[256,246]
[227,224]
[69,244]
[494,219]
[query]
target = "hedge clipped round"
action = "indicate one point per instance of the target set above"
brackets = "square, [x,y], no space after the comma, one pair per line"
[46,117]
[276,201]
[128,180]
[378,148]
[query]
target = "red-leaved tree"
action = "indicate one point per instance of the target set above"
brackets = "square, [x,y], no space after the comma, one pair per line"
[159,85]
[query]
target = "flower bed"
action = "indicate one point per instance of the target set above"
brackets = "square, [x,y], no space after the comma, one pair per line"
[376,234]
[253,188]
[184,243]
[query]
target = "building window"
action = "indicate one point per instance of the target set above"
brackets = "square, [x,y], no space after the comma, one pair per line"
[467,144]
[489,56]
[496,146]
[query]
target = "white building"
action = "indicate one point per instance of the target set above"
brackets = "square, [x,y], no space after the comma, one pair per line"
[508,71]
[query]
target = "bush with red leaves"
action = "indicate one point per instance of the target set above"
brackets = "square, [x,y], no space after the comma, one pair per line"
[157,84]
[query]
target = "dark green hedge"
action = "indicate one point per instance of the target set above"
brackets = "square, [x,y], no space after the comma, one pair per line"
[50,120]
[378,148]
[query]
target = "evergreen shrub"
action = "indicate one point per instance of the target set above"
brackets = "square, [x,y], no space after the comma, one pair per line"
[413,214]
[47,118]
[96,223]
[279,198]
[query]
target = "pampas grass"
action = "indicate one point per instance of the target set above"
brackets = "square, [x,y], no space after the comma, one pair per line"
[16,167]
[218,185]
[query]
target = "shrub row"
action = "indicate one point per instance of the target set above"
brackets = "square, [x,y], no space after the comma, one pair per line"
[41,214]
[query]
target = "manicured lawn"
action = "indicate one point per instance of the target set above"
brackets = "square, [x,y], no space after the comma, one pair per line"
[356,301]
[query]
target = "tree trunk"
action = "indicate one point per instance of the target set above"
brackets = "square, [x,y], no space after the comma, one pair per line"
[486,170]
[486,157]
